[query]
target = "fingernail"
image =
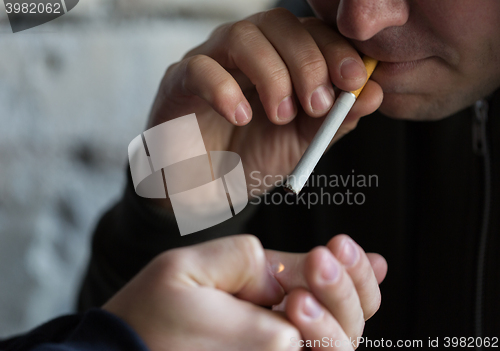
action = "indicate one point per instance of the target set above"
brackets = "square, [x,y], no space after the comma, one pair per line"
[330,269]
[242,113]
[311,308]
[286,109]
[351,69]
[321,99]
[349,254]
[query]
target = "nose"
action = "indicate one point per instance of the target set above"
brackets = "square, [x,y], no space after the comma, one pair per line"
[363,19]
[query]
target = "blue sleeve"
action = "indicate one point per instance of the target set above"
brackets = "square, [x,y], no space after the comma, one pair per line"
[94,330]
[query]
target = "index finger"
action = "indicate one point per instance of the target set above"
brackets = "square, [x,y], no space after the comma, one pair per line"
[346,68]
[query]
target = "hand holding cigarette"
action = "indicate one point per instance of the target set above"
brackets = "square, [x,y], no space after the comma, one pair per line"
[343,104]
[261,88]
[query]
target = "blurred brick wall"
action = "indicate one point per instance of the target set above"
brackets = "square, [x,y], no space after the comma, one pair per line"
[73,93]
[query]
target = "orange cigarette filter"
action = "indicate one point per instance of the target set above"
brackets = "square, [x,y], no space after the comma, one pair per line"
[370,64]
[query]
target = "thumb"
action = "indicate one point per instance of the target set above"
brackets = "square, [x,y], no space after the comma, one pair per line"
[235,264]
[289,267]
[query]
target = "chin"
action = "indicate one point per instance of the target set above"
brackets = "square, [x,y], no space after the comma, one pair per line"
[416,107]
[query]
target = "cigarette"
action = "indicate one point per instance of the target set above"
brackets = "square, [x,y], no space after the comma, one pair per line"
[298,178]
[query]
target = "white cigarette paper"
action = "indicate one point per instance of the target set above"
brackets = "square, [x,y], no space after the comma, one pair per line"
[325,134]
[319,144]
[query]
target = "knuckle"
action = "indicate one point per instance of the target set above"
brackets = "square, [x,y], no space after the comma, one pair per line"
[279,74]
[337,50]
[311,21]
[194,64]
[312,63]
[223,86]
[223,92]
[171,263]
[242,31]
[330,48]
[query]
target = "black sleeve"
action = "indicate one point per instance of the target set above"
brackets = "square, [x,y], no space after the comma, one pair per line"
[132,233]
[95,330]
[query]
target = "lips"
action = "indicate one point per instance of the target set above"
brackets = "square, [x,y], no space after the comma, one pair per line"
[404,76]
[393,68]
[395,60]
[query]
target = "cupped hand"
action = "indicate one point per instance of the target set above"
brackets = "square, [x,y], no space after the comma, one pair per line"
[210,296]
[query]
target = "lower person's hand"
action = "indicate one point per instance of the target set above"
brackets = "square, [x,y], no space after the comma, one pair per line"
[210,296]
[206,297]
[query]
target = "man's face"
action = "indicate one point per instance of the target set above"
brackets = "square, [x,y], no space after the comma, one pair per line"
[436,56]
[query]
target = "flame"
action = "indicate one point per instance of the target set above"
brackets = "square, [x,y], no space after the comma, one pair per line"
[281,267]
